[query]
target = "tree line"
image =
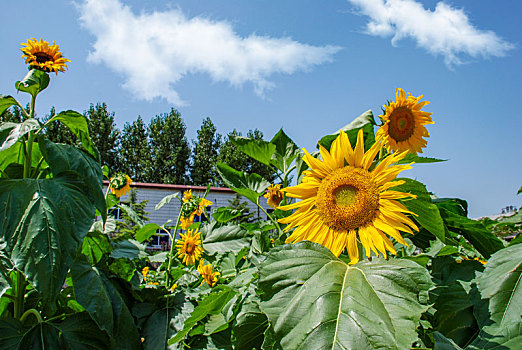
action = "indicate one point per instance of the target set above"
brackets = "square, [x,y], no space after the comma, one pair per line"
[157,152]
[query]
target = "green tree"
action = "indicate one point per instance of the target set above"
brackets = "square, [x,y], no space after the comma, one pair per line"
[58,132]
[135,154]
[12,115]
[205,153]
[237,204]
[169,148]
[105,135]
[126,226]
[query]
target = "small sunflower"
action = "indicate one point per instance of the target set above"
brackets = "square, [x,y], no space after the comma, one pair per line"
[189,247]
[187,196]
[120,185]
[404,124]
[190,208]
[42,56]
[145,272]
[209,276]
[273,195]
[342,200]
[173,288]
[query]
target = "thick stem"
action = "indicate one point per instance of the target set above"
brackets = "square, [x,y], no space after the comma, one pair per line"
[31,312]
[172,244]
[19,294]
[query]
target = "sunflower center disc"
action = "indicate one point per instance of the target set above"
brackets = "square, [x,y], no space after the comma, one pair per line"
[402,124]
[189,248]
[347,199]
[42,57]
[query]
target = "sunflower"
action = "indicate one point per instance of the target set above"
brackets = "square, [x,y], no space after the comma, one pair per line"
[187,196]
[273,195]
[209,276]
[343,201]
[145,272]
[404,123]
[192,207]
[42,56]
[120,185]
[189,247]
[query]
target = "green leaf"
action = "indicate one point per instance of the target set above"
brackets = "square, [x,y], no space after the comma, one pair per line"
[228,238]
[225,214]
[249,185]
[43,222]
[129,248]
[499,286]
[80,332]
[428,215]
[124,268]
[260,150]
[455,205]
[133,215]
[11,333]
[249,327]
[96,293]
[77,123]
[443,343]
[41,336]
[365,122]
[410,157]
[10,133]
[146,231]
[6,101]
[61,158]
[211,304]
[166,200]
[95,246]
[34,82]
[316,301]
[285,151]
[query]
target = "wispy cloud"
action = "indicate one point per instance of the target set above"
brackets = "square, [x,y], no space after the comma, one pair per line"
[154,50]
[445,31]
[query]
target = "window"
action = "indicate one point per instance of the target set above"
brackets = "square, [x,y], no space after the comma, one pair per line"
[115,212]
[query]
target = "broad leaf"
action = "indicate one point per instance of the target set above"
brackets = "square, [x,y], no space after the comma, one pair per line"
[225,214]
[260,150]
[6,101]
[43,222]
[11,333]
[95,246]
[10,133]
[249,327]
[129,248]
[79,127]
[96,293]
[285,151]
[228,238]
[80,332]
[61,157]
[146,231]
[316,301]
[166,200]
[365,122]
[428,215]
[443,343]
[249,185]
[41,336]
[34,82]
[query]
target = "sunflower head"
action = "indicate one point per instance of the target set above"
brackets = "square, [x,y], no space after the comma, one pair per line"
[145,272]
[40,55]
[120,184]
[343,202]
[187,196]
[404,124]
[209,276]
[189,247]
[273,195]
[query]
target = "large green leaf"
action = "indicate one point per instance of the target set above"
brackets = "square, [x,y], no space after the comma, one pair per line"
[225,214]
[11,333]
[6,101]
[260,150]
[61,157]
[96,293]
[249,185]
[77,123]
[228,238]
[428,215]
[316,301]
[146,231]
[80,332]
[10,133]
[129,249]
[365,122]
[95,245]
[42,336]
[34,82]
[43,222]
[249,327]
[211,304]
[285,151]
[500,286]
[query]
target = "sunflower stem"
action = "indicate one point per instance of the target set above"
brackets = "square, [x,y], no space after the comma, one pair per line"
[269,217]
[172,244]
[31,312]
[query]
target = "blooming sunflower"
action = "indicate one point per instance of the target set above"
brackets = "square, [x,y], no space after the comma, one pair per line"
[404,124]
[209,276]
[120,185]
[187,196]
[343,200]
[189,247]
[145,272]
[273,195]
[192,207]
[42,56]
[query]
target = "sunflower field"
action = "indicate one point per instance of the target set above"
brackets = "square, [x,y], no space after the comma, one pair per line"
[353,256]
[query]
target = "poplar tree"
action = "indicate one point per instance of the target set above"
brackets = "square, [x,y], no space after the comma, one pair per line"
[205,153]
[135,153]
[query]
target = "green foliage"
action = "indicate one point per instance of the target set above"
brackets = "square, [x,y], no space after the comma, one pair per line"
[34,82]
[131,222]
[135,152]
[365,122]
[252,186]
[204,154]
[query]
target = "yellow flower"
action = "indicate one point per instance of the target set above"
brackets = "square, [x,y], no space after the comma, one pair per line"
[209,276]
[187,196]
[153,283]
[342,200]
[187,221]
[42,56]
[404,124]
[189,247]
[191,207]
[174,286]
[120,185]
[203,203]
[145,272]
[274,196]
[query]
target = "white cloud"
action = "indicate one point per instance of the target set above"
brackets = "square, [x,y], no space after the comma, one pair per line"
[153,51]
[445,31]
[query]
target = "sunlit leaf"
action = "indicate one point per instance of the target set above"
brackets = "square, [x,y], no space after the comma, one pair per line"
[260,150]
[285,151]
[249,185]
[365,122]
[6,101]
[228,238]
[10,133]
[34,82]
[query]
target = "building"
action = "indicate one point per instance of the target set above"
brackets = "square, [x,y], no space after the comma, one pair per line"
[154,193]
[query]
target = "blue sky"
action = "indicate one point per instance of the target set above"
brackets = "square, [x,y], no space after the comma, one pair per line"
[307,66]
